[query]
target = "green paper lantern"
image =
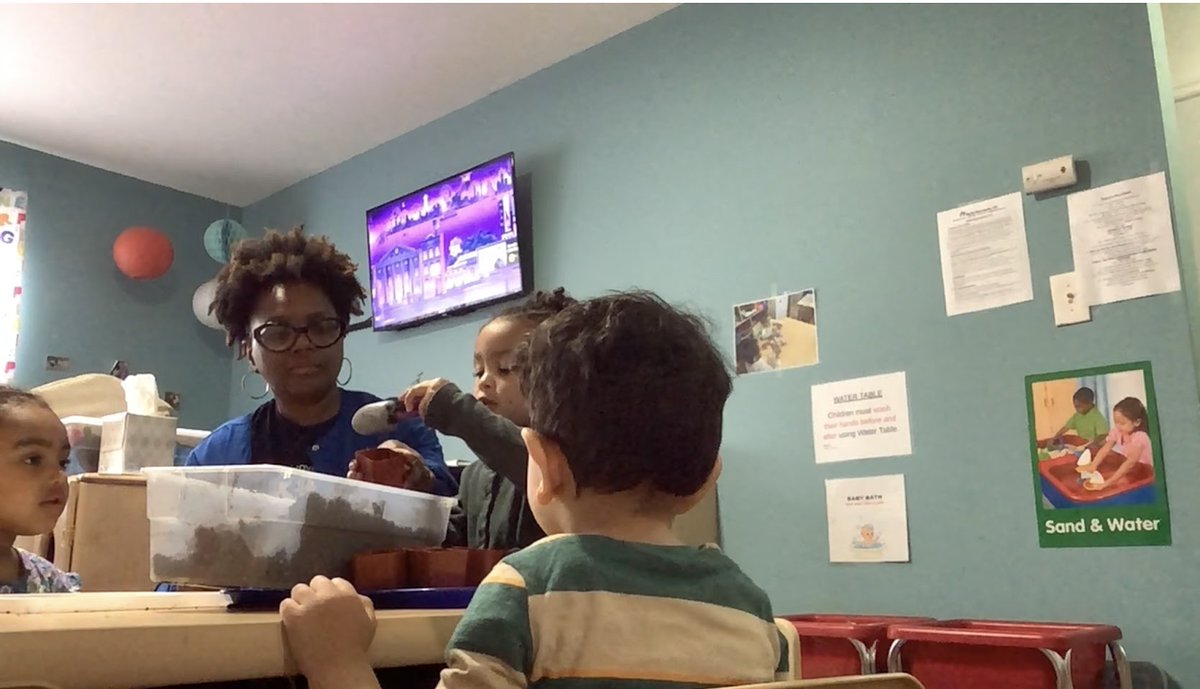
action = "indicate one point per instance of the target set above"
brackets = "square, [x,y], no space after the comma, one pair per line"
[220,238]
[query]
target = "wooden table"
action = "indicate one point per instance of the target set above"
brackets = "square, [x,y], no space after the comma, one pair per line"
[110,650]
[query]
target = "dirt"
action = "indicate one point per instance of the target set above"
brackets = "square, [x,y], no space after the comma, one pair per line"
[332,533]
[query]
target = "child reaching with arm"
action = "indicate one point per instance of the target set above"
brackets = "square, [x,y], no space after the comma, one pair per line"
[1131,424]
[33,490]
[626,396]
[492,512]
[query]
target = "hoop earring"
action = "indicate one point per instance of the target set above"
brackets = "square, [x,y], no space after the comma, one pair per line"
[349,377]
[266,390]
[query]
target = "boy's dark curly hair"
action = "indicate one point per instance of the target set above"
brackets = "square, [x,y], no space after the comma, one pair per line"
[257,265]
[538,306]
[15,397]
[632,389]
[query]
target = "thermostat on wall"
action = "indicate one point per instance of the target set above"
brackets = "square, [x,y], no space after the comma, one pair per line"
[1052,174]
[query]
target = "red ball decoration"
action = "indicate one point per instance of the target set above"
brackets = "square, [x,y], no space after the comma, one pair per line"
[143,253]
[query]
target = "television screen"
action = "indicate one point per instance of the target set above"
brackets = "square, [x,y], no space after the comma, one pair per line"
[447,248]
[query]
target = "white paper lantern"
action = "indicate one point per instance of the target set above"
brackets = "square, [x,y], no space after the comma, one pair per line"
[202,298]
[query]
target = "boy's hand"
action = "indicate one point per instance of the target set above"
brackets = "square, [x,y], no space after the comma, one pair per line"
[329,628]
[418,396]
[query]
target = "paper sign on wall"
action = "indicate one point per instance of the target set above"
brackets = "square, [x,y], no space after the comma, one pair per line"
[861,418]
[1122,240]
[1097,457]
[868,519]
[985,255]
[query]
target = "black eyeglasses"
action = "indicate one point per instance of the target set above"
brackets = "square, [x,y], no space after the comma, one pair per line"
[281,337]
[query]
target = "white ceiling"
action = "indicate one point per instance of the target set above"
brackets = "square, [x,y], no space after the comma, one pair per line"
[235,102]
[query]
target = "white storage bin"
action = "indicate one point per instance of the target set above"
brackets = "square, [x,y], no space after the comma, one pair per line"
[264,526]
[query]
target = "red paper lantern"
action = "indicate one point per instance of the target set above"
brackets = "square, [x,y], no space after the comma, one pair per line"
[143,253]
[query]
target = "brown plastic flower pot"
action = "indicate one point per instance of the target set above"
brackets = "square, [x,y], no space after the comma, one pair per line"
[383,466]
[438,568]
[481,562]
[380,570]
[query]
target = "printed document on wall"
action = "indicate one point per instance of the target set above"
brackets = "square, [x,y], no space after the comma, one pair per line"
[985,255]
[863,418]
[868,519]
[1122,239]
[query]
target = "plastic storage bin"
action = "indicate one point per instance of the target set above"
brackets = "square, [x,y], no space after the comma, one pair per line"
[83,432]
[986,654]
[839,645]
[266,526]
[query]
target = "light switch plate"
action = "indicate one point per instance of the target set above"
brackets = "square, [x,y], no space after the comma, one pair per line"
[1071,303]
[57,363]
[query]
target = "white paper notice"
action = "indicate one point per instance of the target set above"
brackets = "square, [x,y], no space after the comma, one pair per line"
[868,519]
[861,418]
[985,256]
[1122,239]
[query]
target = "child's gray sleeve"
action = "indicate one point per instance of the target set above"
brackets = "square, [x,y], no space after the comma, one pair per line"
[494,439]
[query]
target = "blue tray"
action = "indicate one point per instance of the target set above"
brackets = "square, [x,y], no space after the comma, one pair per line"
[392,599]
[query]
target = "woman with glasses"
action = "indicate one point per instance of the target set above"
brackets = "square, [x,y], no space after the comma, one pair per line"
[285,302]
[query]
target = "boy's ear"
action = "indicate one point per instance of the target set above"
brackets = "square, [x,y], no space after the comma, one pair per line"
[547,455]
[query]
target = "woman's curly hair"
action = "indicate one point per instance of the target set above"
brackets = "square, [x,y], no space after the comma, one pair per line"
[258,265]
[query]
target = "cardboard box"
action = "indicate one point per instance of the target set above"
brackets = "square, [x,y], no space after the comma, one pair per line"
[104,535]
[130,442]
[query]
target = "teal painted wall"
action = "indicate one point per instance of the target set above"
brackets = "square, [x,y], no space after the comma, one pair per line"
[719,153]
[77,304]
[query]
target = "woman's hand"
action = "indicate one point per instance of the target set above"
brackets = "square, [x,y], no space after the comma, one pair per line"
[329,630]
[416,398]
[1095,486]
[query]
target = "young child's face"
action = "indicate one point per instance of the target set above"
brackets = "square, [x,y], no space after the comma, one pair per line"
[33,476]
[1123,424]
[1083,406]
[496,383]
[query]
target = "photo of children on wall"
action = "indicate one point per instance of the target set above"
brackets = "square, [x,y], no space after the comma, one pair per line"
[1096,450]
[776,333]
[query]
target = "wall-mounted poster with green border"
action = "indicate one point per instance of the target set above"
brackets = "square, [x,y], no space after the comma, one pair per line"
[1097,458]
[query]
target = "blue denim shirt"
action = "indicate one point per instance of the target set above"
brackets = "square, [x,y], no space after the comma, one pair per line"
[332,452]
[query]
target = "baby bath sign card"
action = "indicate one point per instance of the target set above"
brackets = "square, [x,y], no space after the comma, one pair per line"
[868,519]
[1097,458]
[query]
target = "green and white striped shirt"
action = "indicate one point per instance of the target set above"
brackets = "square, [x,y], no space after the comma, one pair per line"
[588,612]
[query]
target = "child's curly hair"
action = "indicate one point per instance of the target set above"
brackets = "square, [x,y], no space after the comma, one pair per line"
[538,307]
[257,265]
[632,389]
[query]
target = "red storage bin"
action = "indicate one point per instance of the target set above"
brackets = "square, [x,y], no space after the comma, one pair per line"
[840,645]
[986,654]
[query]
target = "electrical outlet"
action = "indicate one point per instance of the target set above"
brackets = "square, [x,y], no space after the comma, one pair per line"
[58,363]
[1071,304]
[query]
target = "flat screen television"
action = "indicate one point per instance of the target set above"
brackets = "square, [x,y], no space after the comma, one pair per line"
[448,248]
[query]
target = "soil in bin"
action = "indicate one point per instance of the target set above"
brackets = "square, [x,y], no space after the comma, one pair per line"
[220,556]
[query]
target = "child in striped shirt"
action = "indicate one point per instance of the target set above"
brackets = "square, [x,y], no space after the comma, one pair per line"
[626,398]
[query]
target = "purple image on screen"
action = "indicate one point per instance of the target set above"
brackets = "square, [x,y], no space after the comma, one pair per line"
[447,246]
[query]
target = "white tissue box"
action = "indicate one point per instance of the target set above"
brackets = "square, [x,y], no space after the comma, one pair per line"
[131,442]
